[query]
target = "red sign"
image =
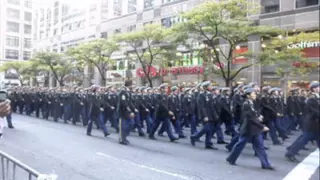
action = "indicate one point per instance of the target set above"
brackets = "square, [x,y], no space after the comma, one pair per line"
[240,59]
[312,52]
[175,70]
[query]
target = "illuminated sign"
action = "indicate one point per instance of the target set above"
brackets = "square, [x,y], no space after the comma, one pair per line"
[175,70]
[304,44]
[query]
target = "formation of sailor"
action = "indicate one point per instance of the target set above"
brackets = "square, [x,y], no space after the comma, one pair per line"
[248,112]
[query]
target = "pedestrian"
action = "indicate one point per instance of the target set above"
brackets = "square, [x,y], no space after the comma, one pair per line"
[5,109]
[250,131]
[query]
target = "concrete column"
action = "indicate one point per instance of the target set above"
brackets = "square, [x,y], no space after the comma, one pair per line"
[31,83]
[96,76]
[254,73]
[138,79]
[110,9]
[52,81]
[124,7]
[86,80]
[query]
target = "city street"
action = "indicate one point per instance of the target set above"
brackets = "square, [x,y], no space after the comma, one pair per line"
[66,151]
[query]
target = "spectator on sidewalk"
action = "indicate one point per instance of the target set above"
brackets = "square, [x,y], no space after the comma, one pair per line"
[5,110]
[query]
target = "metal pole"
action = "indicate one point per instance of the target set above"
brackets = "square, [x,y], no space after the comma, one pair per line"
[14,172]
[7,167]
[3,169]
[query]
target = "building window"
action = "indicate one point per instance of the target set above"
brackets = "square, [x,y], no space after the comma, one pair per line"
[28,3]
[146,23]
[16,2]
[132,28]
[27,42]
[168,1]
[148,3]
[26,55]
[12,27]
[13,13]
[270,6]
[131,65]
[56,15]
[27,16]
[121,65]
[12,54]
[166,22]
[55,31]
[27,29]
[117,31]
[306,3]
[104,35]
[12,41]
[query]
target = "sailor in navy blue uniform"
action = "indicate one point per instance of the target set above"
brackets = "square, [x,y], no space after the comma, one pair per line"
[250,131]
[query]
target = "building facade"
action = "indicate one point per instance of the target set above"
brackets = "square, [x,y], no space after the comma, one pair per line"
[16,35]
[106,18]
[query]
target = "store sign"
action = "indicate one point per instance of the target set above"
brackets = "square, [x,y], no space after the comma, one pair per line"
[165,71]
[304,44]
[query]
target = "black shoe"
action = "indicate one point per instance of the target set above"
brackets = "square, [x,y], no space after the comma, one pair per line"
[106,134]
[11,127]
[266,148]
[306,149]
[292,158]
[123,143]
[161,135]
[211,147]
[222,142]
[277,143]
[152,137]
[268,168]
[88,134]
[231,163]
[182,136]
[142,135]
[174,139]
[193,142]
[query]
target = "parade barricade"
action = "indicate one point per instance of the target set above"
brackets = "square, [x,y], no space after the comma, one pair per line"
[11,167]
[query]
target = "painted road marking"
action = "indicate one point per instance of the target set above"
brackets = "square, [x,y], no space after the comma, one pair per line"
[305,169]
[146,167]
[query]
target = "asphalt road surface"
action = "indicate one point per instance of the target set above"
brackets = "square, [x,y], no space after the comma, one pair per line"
[65,150]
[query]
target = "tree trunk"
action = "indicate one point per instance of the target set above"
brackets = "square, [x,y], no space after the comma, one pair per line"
[149,81]
[46,81]
[61,83]
[103,82]
[227,82]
